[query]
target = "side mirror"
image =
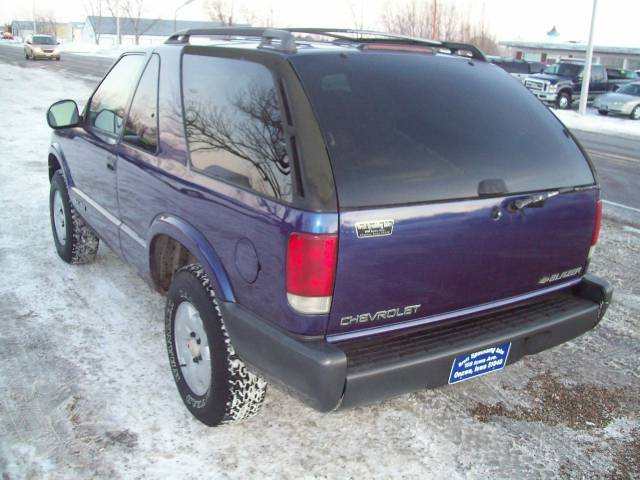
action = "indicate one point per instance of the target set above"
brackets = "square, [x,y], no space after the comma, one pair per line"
[28,42]
[63,114]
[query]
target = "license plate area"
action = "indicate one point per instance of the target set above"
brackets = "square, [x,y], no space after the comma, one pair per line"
[475,364]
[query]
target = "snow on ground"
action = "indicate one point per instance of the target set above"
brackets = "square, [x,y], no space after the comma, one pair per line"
[93,49]
[592,121]
[80,48]
[86,392]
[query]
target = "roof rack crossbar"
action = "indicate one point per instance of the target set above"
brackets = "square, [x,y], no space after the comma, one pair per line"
[286,42]
[457,48]
[267,35]
[366,36]
[360,35]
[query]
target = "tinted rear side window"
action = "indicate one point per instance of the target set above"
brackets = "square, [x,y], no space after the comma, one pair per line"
[233,124]
[404,128]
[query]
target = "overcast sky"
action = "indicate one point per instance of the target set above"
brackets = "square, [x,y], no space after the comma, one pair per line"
[617,23]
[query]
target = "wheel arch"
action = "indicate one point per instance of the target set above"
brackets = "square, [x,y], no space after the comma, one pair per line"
[57,161]
[166,229]
[568,90]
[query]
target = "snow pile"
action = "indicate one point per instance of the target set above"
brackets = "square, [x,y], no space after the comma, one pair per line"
[592,121]
[93,49]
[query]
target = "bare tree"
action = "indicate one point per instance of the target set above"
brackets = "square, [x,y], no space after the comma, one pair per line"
[229,13]
[114,10]
[444,20]
[134,9]
[221,11]
[252,16]
[357,9]
[46,24]
[95,8]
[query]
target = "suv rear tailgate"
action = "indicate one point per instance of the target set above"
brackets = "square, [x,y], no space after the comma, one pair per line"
[445,257]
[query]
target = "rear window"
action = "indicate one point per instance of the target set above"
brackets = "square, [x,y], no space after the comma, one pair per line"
[405,128]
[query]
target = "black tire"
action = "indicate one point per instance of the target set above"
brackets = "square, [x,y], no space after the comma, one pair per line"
[635,113]
[26,56]
[603,112]
[563,101]
[80,244]
[234,393]
[57,59]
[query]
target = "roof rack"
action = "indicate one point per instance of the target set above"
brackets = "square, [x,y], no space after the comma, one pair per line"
[267,36]
[286,42]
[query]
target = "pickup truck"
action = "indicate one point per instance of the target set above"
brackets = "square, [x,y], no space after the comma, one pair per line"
[560,84]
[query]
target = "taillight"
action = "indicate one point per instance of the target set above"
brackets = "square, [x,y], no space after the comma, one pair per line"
[596,228]
[311,266]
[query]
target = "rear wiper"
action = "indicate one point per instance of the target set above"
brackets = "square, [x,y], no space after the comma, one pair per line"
[538,199]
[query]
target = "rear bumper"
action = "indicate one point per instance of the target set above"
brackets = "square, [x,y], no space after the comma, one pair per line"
[331,375]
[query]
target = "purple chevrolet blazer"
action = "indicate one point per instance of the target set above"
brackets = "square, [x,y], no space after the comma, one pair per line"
[352,215]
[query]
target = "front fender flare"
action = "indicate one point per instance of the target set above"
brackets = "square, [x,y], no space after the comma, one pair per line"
[55,149]
[197,244]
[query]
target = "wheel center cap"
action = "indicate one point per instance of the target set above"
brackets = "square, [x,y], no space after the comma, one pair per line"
[194,347]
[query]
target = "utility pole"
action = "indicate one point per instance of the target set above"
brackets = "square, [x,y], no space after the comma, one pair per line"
[586,75]
[434,33]
[117,23]
[175,13]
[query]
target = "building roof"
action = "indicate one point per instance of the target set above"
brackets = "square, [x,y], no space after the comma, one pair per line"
[571,46]
[146,26]
[22,24]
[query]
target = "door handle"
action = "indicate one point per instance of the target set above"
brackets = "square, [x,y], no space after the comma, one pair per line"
[111,163]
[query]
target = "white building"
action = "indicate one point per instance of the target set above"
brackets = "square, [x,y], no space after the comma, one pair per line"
[616,57]
[148,30]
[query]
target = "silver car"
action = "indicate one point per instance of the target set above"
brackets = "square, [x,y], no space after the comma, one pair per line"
[41,46]
[624,101]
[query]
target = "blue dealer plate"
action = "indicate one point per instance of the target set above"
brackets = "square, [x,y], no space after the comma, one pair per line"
[475,364]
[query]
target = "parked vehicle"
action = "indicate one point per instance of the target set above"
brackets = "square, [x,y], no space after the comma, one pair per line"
[618,77]
[318,215]
[41,46]
[520,69]
[624,101]
[560,84]
[7,36]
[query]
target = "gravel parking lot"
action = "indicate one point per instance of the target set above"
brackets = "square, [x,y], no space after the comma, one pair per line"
[85,389]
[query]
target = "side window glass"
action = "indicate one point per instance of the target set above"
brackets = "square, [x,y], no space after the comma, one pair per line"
[233,124]
[107,107]
[597,74]
[141,128]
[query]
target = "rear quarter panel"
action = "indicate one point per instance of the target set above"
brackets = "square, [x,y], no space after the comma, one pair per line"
[227,216]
